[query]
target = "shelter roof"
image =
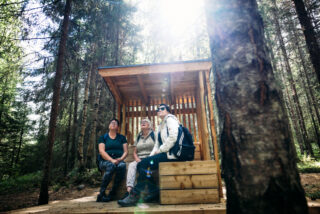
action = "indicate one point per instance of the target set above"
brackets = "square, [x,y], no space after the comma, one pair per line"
[148,81]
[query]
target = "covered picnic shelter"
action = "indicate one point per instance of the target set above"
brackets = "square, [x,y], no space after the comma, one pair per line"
[184,86]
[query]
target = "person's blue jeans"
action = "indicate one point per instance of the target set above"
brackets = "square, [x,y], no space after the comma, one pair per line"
[145,169]
[109,168]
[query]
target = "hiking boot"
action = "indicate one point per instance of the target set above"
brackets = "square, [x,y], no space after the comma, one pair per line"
[151,198]
[125,195]
[130,200]
[103,198]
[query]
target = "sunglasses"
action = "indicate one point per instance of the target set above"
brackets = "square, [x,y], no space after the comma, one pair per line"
[161,109]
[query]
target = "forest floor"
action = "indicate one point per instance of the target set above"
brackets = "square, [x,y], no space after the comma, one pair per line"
[310,182]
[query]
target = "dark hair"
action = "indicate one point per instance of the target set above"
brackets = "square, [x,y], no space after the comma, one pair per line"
[167,107]
[114,119]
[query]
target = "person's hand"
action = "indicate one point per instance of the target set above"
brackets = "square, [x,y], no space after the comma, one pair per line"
[115,161]
[137,160]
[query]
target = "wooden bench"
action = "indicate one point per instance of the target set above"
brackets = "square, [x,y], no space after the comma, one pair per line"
[191,182]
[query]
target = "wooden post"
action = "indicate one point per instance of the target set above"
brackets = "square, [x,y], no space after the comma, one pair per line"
[123,122]
[132,122]
[213,133]
[193,120]
[205,133]
[118,113]
[199,122]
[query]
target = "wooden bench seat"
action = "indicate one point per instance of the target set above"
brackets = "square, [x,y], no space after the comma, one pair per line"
[191,182]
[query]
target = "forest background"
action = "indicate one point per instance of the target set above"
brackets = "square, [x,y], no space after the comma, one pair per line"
[120,32]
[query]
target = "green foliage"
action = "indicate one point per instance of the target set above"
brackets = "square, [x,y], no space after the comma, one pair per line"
[21,183]
[307,165]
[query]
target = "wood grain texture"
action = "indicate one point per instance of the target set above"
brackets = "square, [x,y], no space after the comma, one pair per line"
[181,182]
[189,196]
[188,168]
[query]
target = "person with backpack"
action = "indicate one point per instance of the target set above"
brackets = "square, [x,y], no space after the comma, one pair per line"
[142,149]
[113,149]
[167,134]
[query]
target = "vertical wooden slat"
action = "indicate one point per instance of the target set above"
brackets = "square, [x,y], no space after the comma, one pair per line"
[205,133]
[153,115]
[194,115]
[188,108]
[137,117]
[132,121]
[184,112]
[214,135]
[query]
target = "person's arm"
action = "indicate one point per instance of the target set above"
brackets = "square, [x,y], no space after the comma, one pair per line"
[156,146]
[135,156]
[125,152]
[104,155]
[173,129]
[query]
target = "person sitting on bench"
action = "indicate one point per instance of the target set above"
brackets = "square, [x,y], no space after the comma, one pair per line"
[168,131]
[142,149]
[113,149]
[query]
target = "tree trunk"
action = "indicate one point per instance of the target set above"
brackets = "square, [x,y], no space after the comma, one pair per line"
[83,123]
[44,196]
[75,123]
[66,156]
[20,144]
[258,156]
[310,36]
[291,80]
[92,139]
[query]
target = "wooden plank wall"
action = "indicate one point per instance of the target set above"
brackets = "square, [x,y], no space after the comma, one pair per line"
[182,106]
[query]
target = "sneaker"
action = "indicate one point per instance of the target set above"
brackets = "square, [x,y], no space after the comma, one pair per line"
[130,200]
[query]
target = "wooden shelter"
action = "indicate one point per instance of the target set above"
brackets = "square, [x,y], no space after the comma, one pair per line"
[184,86]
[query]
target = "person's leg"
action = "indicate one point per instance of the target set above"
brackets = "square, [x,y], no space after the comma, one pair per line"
[120,175]
[131,174]
[108,169]
[144,168]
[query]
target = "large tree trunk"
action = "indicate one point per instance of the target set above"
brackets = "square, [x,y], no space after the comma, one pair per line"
[44,196]
[310,36]
[83,122]
[258,156]
[75,123]
[92,139]
[291,80]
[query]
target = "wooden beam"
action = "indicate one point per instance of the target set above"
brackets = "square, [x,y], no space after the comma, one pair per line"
[205,133]
[143,90]
[114,90]
[155,69]
[214,135]
[199,122]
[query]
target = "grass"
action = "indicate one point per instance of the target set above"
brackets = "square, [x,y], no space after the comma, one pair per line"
[308,165]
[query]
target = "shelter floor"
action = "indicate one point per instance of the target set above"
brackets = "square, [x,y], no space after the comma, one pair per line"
[88,205]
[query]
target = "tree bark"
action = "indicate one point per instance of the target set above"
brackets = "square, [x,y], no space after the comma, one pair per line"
[258,156]
[83,123]
[66,156]
[310,36]
[92,139]
[44,196]
[75,122]
[291,80]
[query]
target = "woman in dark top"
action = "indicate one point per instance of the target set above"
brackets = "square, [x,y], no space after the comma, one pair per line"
[113,149]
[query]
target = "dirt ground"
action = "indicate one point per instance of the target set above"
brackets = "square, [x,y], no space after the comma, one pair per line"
[310,182]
